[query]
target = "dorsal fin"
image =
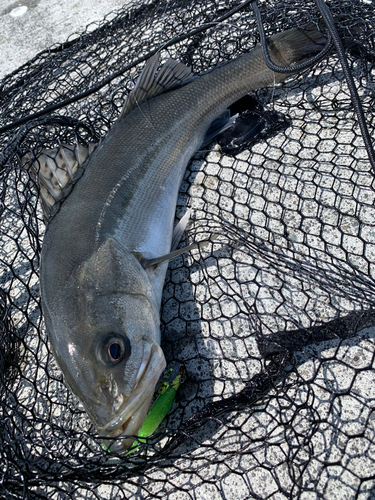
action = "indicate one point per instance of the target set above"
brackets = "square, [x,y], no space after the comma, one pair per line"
[56,170]
[150,83]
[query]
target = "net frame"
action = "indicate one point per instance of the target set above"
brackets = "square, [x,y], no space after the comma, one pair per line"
[296,418]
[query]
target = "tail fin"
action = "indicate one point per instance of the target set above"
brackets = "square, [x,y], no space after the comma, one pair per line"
[295,46]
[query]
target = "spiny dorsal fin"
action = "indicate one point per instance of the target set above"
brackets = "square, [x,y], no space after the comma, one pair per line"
[150,83]
[56,170]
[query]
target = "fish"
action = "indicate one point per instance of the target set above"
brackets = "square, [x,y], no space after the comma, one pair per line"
[110,211]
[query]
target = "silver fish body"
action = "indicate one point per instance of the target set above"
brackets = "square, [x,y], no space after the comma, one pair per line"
[100,303]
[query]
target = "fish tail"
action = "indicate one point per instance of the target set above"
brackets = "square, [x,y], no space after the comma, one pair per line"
[294,46]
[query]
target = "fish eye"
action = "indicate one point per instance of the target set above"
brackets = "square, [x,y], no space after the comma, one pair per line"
[116,348]
[115,352]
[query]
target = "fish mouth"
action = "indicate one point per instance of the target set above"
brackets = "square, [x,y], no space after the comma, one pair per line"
[129,420]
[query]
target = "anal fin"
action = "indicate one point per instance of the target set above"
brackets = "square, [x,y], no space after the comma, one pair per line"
[251,123]
[218,127]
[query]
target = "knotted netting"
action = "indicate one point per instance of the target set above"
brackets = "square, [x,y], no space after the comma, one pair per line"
[272,320]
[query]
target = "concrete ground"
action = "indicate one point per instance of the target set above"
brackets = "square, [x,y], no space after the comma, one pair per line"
[30,26]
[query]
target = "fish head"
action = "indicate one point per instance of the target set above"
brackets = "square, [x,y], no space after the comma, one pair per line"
[106,340]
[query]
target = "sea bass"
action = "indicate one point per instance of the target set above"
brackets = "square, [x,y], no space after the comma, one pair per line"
[107,244]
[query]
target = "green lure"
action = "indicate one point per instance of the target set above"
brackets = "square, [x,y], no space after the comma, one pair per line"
[166,394]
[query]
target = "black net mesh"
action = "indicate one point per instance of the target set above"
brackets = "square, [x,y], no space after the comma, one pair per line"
[272,320]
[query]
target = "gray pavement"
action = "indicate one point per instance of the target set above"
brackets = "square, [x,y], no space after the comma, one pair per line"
[30,26]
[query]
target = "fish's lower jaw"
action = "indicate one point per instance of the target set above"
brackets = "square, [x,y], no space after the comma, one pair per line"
[129,420]
[130,428]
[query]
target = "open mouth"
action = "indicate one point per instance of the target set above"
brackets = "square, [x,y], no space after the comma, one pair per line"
[129,420]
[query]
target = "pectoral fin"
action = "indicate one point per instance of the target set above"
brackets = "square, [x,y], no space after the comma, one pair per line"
[147,263]
[179,229]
